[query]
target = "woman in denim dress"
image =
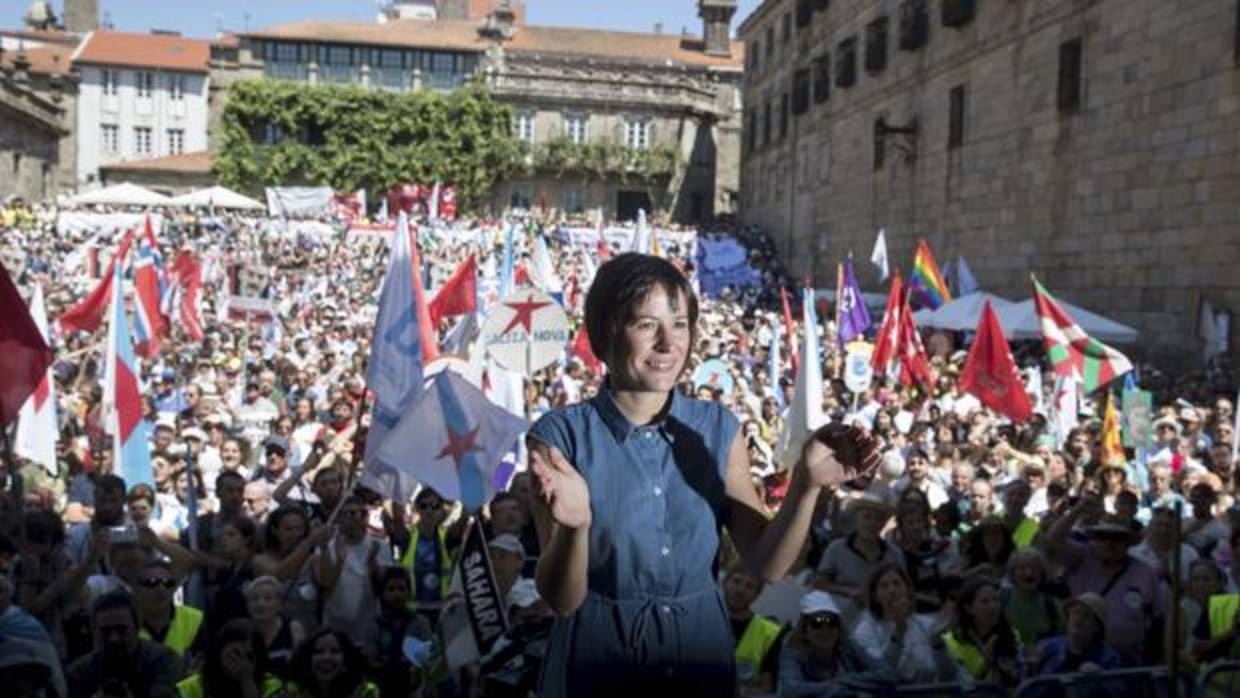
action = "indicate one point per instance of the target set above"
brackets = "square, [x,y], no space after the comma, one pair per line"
[635,485]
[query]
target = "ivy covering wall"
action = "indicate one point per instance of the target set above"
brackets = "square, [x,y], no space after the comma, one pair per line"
[350,138]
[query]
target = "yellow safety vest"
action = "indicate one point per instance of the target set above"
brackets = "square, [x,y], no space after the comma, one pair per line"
[1025,533]
[967,655]
[186,621]
[754,644]
[196,687]
[445,564]
[1222,611]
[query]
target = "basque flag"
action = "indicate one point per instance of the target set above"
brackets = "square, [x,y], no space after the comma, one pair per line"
[123,398]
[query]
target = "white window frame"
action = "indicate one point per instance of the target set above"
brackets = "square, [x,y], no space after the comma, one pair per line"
[142,140]
[637,133]
[176,87]
[524,126]
[176,141]
[110,138]
[108,81]
[576,127]
[144,82]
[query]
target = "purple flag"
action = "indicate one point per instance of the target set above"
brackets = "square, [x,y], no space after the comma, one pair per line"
[854,317]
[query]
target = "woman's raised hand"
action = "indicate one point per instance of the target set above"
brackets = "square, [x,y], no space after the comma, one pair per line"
[561,487]
[836,454]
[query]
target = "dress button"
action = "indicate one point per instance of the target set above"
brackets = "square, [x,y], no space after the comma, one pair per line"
[658,491]
[666,551]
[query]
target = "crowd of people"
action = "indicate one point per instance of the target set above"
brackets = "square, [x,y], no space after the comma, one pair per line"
[979,551]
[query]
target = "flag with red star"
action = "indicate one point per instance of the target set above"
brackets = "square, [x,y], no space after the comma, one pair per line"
[452,439]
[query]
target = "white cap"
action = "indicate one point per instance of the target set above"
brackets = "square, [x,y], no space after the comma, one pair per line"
[818,602]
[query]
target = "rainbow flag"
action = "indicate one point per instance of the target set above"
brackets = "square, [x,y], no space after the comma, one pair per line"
[927,283]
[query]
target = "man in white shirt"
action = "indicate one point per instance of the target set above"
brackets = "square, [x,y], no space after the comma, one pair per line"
[917,476]
[346,570]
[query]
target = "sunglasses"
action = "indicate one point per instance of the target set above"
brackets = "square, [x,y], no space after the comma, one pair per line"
[430,506]
[153,582]
[822,620]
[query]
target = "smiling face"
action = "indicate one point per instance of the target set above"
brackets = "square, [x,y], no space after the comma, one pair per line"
[326,658]
[655,344]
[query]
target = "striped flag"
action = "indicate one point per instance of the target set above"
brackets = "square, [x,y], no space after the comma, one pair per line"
[927,283]
[122,397]
[149,324]
[1070,351]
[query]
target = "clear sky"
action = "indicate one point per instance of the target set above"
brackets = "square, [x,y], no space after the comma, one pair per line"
[203,18]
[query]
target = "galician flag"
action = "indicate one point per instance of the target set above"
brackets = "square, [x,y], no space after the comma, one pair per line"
[394,372]
[36,423]
[1072,352]
[453,439]
[806,413]
[122,397]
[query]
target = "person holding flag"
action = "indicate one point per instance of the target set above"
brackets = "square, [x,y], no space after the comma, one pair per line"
[633,487]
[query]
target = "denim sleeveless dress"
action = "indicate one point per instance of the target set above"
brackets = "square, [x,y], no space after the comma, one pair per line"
[653,617]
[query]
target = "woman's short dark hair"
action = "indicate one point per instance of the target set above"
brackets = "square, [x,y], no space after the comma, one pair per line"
[871,595]
[271,543]
[620,285]
[346,681]
[965,627]
[215,676]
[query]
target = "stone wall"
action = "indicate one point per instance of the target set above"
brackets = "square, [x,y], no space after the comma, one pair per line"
[30,133]
[1126,203]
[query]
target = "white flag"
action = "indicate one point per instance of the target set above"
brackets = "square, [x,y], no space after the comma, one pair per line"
[394,373]
[879,256]
[806,414]
[36,422]
[1066,408]
[641,238]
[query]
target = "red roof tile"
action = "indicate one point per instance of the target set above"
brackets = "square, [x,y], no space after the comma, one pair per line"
[52,59]
[145,51]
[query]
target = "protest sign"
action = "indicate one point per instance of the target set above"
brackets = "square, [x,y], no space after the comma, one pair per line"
[526,332]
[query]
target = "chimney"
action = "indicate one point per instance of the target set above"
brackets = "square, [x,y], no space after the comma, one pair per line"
[81,16]
[717,25]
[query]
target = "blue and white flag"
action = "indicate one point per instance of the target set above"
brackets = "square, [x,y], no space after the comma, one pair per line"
[966,283]
[506,272]
[879,255]
[452,439]
[394,373]
[775,370]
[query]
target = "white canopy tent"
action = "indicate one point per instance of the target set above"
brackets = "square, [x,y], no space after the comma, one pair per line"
[961,314]
[1020,321]
[218,197]
[125,194]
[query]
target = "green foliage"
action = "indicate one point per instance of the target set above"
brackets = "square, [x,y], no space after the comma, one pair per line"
[349,137]
[603,159]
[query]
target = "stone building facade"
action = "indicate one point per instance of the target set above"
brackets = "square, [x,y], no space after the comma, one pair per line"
[1092,143]
[43,58]
[30,131]
[668,94]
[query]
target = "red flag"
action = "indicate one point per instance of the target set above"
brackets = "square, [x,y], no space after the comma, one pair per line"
[426,331]
[24,355]
[887,343]
[188,270]
[789,333]
[447,203]
[914,363]
[990,372]
[521,277]
[458,296]
[583,350]
[87,315]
